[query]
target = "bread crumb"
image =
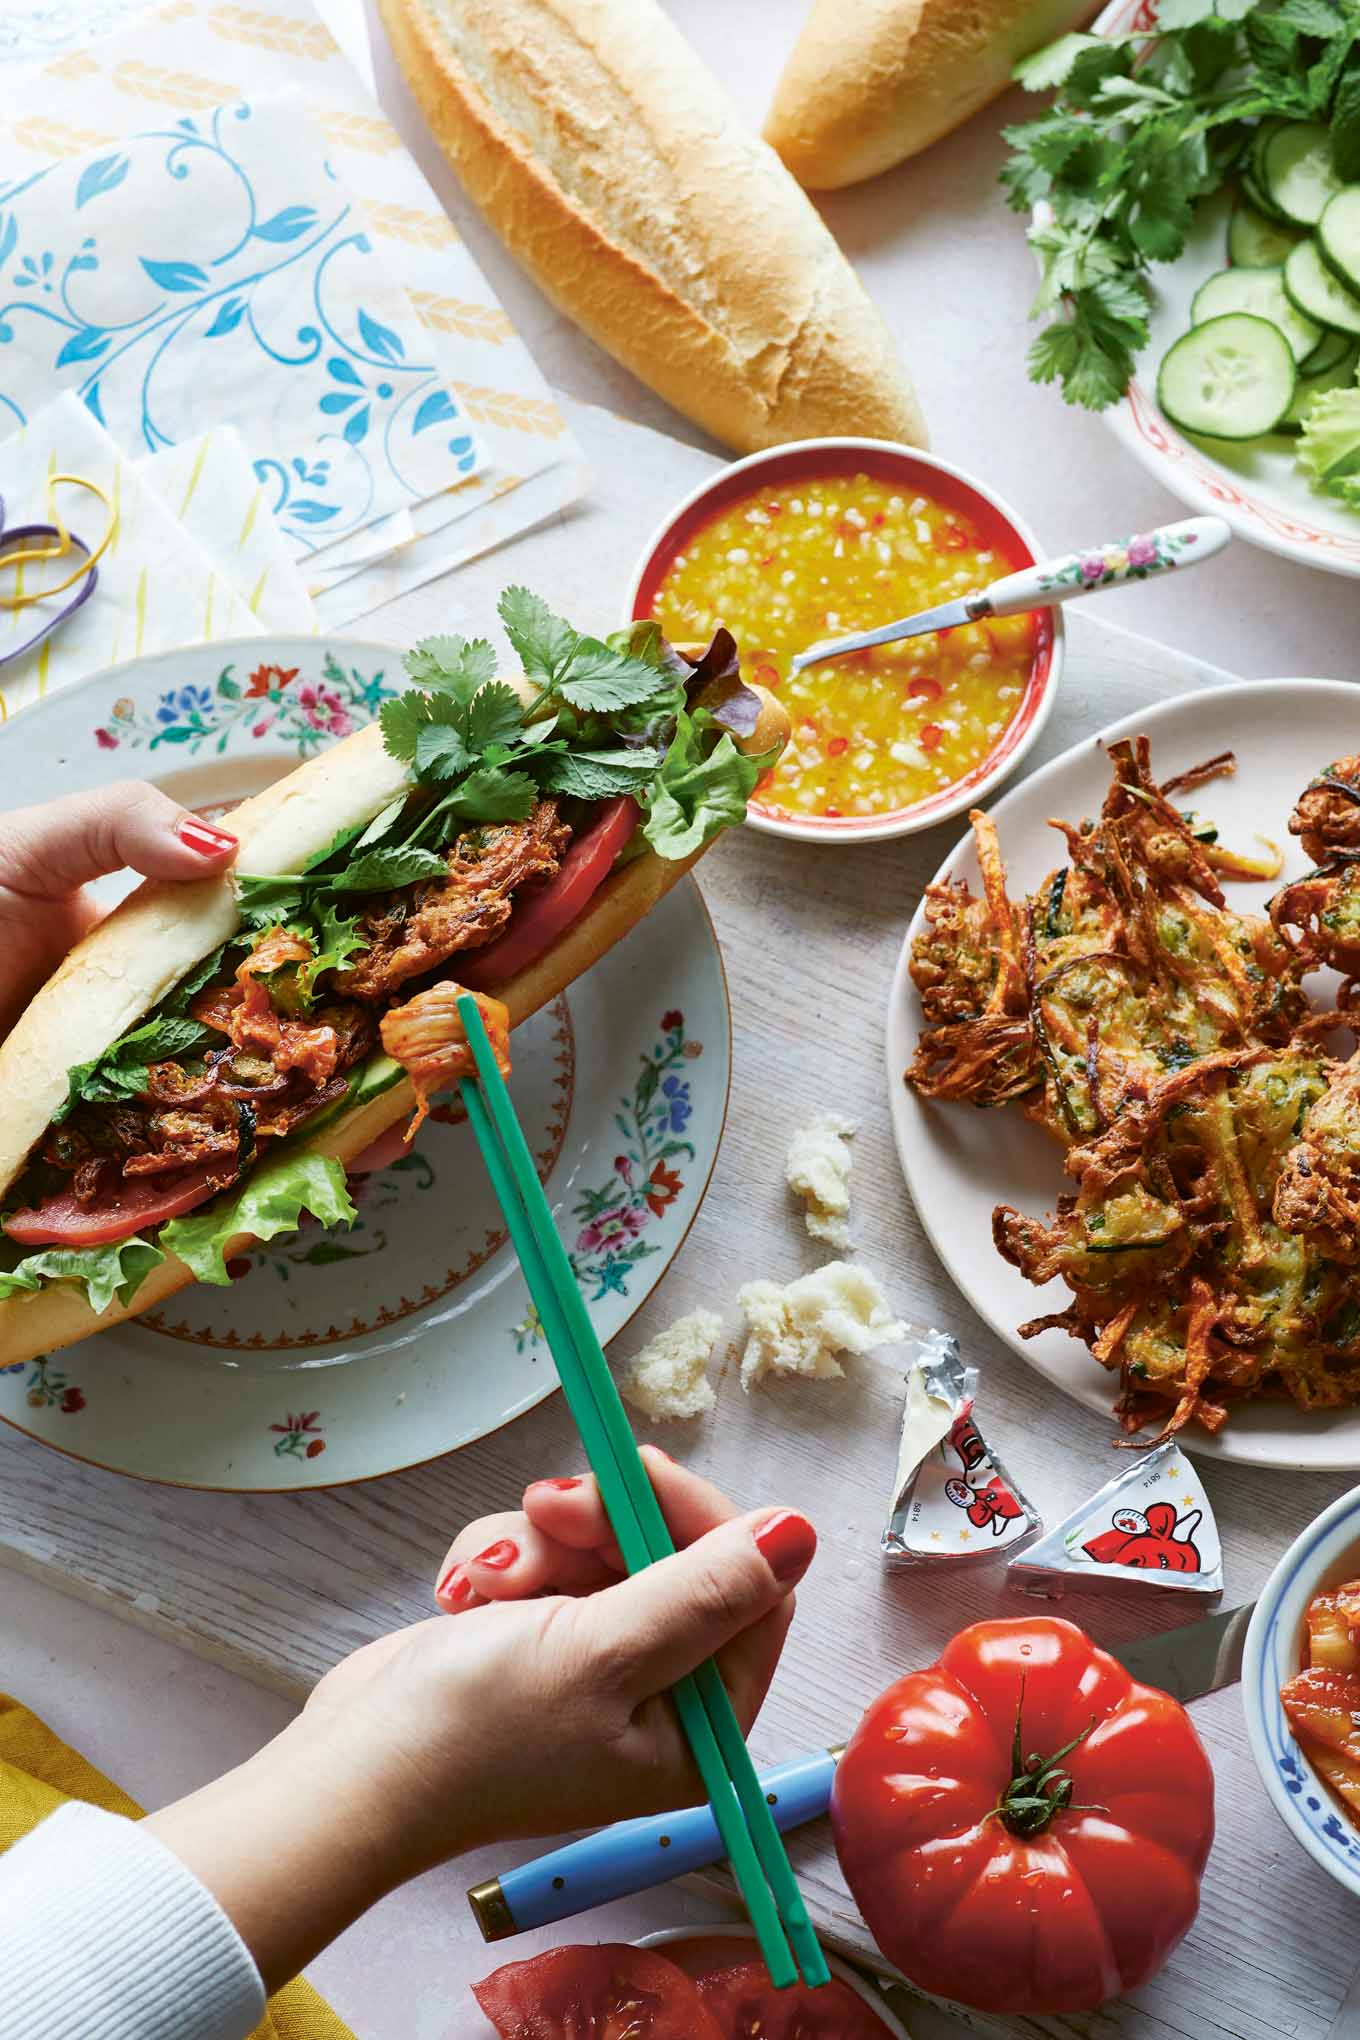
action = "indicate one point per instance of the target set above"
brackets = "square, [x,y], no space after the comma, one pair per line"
[668,1379]
[818,1171]
[836,1309]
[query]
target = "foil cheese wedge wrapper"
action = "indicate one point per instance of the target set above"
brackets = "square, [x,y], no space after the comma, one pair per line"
[952,1498]
[1151,1526]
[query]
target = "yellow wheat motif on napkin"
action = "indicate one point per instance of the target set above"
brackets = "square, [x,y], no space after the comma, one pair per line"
[172,88]
[511,412]
[56,137]
[360,131]
[71,64]
[291,38]
[405,223]
[455,315]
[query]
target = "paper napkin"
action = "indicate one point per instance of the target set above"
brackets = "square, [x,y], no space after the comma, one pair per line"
[157,588]
[210,486]
[187,57]
[213,269]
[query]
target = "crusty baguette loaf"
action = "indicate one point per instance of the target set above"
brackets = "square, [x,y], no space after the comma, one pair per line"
[871,84]
[139,952]
[617,171]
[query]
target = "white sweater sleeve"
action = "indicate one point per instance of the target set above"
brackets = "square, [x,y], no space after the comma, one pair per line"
[104,1931]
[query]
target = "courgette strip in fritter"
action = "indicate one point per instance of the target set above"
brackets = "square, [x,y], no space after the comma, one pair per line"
[1211,1242]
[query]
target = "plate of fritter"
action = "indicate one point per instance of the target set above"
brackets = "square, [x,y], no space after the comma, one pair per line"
[1125,1088]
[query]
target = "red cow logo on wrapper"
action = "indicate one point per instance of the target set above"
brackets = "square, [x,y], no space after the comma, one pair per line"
[1158,1541]
[991,1503]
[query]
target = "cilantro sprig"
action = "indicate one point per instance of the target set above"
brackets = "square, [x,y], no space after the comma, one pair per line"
[605,717]
[1144,126]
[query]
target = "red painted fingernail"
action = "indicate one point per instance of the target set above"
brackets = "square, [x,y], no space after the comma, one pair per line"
[568,1481]
[455,1590]
[498,1557]
[786,1543]
[203,837]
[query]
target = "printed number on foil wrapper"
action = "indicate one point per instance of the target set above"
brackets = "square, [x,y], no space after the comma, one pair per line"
[1151,1526]
[952,1497]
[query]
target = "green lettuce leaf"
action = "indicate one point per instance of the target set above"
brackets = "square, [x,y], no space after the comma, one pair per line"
[272,1202]
[117,1270]
[1329,445]
[696,797]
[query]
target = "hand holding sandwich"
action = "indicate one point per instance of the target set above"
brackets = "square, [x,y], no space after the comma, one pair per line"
[49,854]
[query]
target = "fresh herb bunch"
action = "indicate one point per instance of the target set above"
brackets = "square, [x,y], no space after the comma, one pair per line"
[609,717]
[1143,126]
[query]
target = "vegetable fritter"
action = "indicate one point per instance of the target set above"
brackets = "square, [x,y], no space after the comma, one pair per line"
[1211,1245]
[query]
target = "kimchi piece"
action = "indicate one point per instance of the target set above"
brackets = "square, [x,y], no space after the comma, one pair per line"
[1322,1702]
[428,1038]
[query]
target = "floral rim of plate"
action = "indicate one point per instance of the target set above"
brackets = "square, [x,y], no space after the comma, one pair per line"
[961,490]
[365,1335]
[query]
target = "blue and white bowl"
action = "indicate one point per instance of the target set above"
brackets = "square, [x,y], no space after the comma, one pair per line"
[1326,1553]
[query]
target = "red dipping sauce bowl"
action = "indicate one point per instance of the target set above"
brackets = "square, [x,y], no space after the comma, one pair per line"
[868,725]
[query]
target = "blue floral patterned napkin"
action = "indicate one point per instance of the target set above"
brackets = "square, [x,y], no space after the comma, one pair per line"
[214,271]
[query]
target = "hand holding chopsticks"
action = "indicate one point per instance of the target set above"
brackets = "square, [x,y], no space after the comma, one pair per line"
[754,1848]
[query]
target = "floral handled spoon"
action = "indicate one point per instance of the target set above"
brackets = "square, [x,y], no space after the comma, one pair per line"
[1079,573]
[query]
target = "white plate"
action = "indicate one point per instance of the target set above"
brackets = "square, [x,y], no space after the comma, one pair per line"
[1258,488]
[959,1163]
[342,1355]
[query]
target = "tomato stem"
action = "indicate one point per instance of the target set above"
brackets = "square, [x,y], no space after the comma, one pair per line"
[1039,1788]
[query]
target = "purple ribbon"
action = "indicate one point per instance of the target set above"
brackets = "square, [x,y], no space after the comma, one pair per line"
[20,534]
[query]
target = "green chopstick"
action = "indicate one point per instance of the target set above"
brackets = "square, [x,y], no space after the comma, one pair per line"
[752,1841]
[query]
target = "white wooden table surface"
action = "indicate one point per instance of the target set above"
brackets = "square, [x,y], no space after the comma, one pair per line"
[280,1587]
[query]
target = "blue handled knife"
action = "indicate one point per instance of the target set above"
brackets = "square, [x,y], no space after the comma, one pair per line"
[635,1855]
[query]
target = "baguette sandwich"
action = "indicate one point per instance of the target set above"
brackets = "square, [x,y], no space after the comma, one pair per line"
[616,170]
[196,1075]
[869,85]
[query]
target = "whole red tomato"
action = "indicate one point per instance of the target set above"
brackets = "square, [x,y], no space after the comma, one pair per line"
[1022,1826]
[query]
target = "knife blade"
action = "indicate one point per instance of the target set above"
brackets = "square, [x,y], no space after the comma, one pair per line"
[635,1855]
[1195,1659]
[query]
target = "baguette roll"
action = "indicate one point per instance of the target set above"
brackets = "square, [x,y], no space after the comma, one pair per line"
[138,953]
[869,85]
[617,172]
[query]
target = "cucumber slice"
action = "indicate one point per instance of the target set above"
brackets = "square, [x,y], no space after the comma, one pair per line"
[1338,236]
[1260,292]
[1255,194]
[1340,376]
[1255,242]
[1331,348]
[1313,290]
[1296,171]
[1232,377]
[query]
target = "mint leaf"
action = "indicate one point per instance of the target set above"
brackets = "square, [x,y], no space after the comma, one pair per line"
[455,665]
[202,974]
[599,775]
[542,642]
[121,1072]
[383,870]
[495,717]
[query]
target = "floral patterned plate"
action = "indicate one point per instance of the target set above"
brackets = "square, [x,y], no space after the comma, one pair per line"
[337,1356]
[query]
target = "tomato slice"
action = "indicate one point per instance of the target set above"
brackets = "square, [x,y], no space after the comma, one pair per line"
[609,1992]
[745,2005]
[60,1222]
[540,917]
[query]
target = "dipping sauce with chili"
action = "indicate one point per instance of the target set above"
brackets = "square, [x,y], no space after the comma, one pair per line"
[821,557]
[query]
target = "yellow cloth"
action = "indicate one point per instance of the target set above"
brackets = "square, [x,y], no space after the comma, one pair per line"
[38,1772]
